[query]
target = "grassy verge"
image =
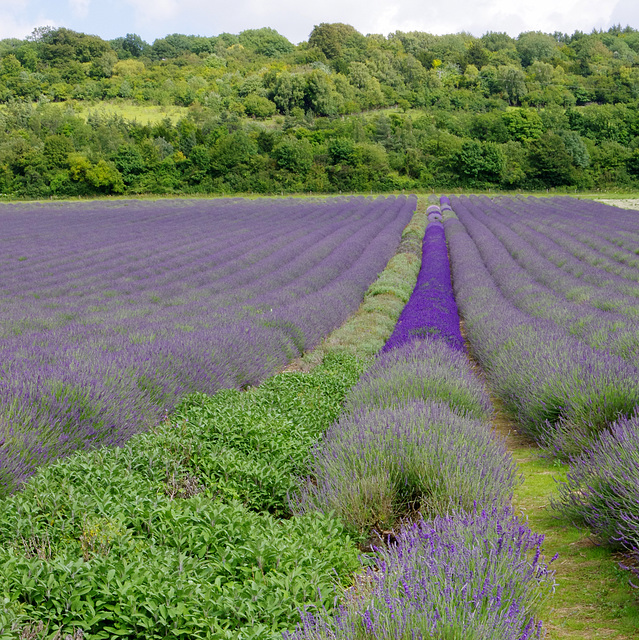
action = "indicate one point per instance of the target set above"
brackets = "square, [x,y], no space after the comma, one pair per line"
[142,114]
[593,597]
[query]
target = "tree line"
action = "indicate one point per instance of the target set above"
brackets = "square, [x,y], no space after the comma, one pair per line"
[340,112]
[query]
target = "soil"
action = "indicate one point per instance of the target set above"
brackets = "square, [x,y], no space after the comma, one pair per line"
[623,203]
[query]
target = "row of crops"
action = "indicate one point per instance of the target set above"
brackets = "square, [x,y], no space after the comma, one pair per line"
[186,530]
[112,312]
[548,291]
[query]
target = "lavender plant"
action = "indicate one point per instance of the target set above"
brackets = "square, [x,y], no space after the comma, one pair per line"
[421,370]
[479,575]
[602,487]
[414,441]
[375,466]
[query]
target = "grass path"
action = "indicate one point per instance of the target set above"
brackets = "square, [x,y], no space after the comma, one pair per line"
[593,597]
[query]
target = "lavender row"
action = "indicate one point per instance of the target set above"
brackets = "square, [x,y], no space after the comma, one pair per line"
[476,575]
[570,261]
[431,310]
[415,438]
[422,450]
[595,238]
[112,313]
[602,487]
[596,315]
[553,384]
[593,230]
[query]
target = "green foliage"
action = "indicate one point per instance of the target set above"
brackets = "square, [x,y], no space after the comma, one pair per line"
[479,163]
[435,93]
[535,46]
[551,162]
[331,37]
[294,155]
[523,125]
[259,106]
[266,42]
[175,533]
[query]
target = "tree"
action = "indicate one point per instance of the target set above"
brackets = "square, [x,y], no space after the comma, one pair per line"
[319,95]
[266,42]
[131,46]
[59,46]
[512,82]
[478,163]
[331,37]
[288,92]
[550,162]
[535,46]
[524,125]
[258,106]
[294,155]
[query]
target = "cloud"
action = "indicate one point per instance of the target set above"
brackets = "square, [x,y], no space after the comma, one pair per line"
[79,8]
[626,12]
[164,10]
[295,20]
[12,26]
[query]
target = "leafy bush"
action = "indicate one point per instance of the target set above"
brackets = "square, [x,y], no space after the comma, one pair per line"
[162,537]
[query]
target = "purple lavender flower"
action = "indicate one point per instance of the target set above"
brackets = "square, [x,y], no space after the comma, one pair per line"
[479,574]
[431,310]
[601,490]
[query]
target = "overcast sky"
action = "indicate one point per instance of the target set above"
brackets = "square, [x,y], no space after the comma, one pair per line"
[295,19]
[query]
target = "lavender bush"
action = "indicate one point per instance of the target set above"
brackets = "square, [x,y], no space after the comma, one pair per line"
[114,311]
[478,576]
[374,466]
[602,487]
[427,370]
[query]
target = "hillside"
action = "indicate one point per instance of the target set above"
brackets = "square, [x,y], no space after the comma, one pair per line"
[342,111]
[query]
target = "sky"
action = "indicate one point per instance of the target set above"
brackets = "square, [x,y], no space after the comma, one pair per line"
[295,19]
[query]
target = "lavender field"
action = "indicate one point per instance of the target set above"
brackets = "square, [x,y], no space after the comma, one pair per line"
[413,460]
[113,311]
[549,292]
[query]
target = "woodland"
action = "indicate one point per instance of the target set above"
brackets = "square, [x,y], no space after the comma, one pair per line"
[342,112]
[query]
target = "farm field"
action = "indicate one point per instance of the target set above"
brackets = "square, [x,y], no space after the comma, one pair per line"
[368,490]
[114,311]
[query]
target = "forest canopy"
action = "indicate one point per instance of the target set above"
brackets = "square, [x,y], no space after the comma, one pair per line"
[342,111]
